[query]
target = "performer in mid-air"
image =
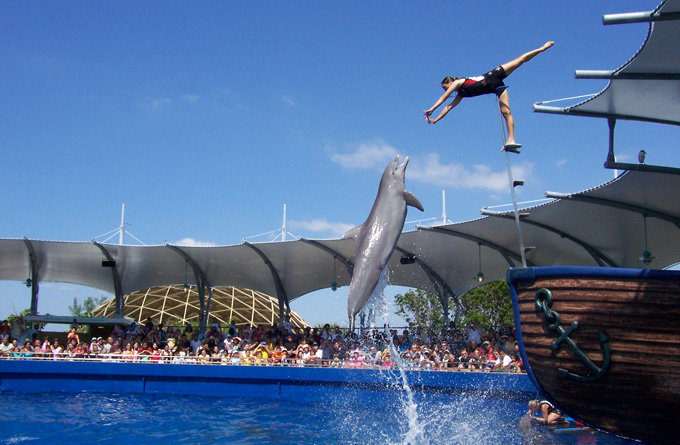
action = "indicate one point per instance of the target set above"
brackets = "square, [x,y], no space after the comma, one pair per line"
[489,83]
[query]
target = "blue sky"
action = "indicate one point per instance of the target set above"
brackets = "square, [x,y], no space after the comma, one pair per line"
[206,117]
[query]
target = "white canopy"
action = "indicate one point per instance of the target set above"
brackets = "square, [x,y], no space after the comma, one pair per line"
[601,226]
[647,87]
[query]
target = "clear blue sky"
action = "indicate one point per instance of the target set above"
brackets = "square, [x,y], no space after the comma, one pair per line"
[206,117]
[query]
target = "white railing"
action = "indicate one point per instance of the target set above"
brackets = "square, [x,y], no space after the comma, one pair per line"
[239,361]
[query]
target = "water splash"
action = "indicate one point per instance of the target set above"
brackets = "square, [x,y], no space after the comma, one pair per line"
[378,303]
[416,432]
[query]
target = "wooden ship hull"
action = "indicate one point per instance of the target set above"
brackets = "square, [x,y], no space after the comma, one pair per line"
[603,344]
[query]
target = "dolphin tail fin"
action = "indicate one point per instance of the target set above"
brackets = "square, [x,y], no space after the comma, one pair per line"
[412,201]
[352,233]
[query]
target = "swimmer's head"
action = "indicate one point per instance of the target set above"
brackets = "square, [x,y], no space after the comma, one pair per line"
[446,82]
[533,405]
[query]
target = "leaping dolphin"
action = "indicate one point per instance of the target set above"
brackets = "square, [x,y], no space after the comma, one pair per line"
[378,235]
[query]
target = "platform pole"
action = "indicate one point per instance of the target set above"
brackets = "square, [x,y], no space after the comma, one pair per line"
[511,184]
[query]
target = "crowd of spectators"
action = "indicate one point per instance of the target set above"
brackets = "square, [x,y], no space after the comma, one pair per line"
[419,348]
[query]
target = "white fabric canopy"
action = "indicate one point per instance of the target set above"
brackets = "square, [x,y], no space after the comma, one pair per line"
[647,87]
[600,226]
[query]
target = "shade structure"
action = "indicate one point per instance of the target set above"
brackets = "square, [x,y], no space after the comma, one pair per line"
[602,226]
[612,224]
[177,305]
[647,87]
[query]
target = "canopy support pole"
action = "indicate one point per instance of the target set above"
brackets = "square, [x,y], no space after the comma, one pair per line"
[639,17]
[507,254]
[35,279]
[117,286]
[611,159]
[201,284]
[337,255]
[642,167]
[281,294]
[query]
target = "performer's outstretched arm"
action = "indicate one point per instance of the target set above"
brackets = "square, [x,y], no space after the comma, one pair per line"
[450,88]
[445,111]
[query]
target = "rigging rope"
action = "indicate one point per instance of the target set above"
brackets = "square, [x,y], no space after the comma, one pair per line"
[565,98]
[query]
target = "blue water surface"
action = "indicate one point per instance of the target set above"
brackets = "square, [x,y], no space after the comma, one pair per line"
[142,418]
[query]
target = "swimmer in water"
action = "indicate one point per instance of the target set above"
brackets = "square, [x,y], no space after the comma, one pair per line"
[544,412]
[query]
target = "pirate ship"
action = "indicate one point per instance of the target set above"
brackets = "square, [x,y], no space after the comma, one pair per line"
[603,343]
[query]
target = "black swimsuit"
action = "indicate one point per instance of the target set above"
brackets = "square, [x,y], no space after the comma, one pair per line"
[551,407]
[487,84]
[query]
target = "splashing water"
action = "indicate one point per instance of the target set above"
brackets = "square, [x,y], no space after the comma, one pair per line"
[378,303]
[416,432]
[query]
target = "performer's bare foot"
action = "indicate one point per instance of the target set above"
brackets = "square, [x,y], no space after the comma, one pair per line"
[547,45]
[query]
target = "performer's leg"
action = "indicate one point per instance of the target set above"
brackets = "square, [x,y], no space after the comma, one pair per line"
[511,66]
[553,418]
[504,104]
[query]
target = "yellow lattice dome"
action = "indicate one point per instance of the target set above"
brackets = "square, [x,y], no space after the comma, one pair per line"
[176,305]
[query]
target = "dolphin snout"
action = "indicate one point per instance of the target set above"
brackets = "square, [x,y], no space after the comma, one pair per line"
[401,167]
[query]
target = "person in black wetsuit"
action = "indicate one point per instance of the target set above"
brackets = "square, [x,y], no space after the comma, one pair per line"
[491,82]
[544,412]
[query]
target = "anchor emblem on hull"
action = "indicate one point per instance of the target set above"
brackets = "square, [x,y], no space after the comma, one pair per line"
[551,319]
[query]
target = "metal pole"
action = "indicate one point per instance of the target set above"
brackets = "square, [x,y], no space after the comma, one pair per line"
[611,158]
[122,226]
[639,17]
[283,227]
[443,206]
[515,208]
[34,275]
[511,184]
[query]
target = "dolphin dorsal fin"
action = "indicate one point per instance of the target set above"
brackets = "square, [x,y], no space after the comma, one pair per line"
[412,201]
[352,233]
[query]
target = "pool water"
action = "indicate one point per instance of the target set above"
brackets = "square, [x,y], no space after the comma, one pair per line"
[130,418]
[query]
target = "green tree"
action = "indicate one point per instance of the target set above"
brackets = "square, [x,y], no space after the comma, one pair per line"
[12,318]
[489,306]
[421,308]
[88,306]
[75,309]
[91,303]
